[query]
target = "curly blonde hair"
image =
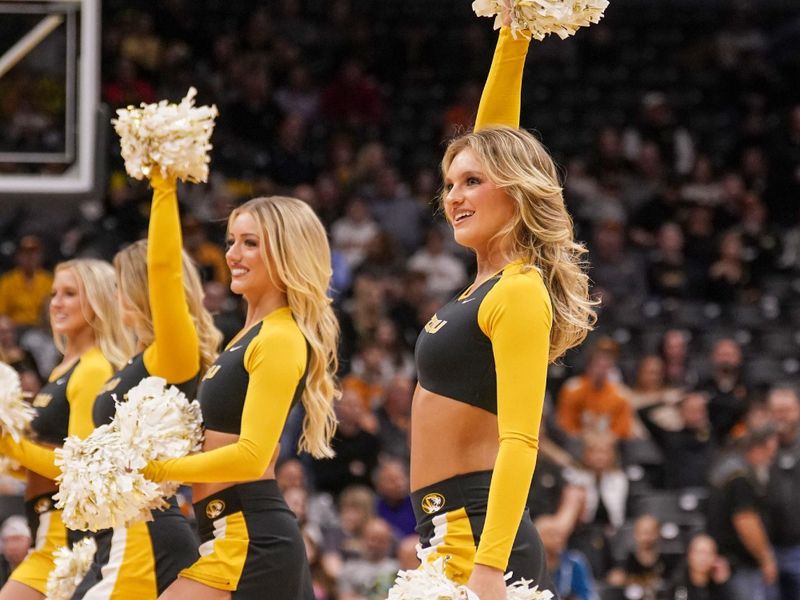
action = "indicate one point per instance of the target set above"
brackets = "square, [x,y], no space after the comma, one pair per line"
[541,233]
[294,246]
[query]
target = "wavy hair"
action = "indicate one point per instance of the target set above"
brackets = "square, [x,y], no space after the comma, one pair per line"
[98,292]
[130,264]
[541,232]
[295,249]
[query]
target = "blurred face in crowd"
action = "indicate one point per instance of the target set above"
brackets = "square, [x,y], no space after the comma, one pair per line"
[702,553]
[784,408]
[476,208]
[674,345]
[349,409]
[377,539]
[651,374]
[553,537]
[763,454]
[670,239]
[290,475]
[600,453]
[249,275]
[398,396]
[8,333]
[67,315]
[694,411]
[599,367]
[29,254]
[392,481]
[296,499]
[726,356]
[645,531]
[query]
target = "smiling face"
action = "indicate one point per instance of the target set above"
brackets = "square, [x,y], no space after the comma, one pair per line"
[66,311]
[474,205]
[249,275]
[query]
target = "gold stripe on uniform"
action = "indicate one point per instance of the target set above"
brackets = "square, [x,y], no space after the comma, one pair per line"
[35,569]
[131,568]
[222,558]
[453,539]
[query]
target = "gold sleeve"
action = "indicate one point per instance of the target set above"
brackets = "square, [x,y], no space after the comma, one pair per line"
[84,384]
[516,316]
[276,361]
[174,353]
[502,94]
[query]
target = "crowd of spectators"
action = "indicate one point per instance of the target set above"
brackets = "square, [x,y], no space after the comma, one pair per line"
[669,454]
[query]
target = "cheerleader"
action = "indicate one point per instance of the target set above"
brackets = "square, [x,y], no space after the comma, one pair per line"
[86,329]
[161,301]
[482,359]
[251,546]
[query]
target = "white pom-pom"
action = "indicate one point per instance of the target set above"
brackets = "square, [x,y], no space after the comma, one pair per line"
[429,582]
[172,137]
[70,568]
[101,484]
[538,18]
[15,413]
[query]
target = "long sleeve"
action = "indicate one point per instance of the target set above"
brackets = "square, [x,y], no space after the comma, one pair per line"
[30,455]
[276,362]
[502,94]
[174,353]
[517,317]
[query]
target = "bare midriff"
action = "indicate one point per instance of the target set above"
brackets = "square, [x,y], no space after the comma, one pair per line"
[218,439]
[449,438]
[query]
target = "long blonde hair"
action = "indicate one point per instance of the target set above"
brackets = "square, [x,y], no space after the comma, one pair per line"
[98,291]
[295,249]
[541,232]
[130,264]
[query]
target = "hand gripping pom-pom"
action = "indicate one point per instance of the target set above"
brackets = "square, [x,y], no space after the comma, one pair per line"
[15,413]
[171,137]
[429,582]
[538,18]
[101,484]
[70,567]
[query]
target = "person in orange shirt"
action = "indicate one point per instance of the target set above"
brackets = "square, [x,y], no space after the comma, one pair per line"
[592,401]
[24,289]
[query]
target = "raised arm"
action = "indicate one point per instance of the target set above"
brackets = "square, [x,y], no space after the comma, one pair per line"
[174,353]
[275,362]
[502,94]
[516,316]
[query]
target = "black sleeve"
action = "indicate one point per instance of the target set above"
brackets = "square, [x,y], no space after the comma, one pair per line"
[659,434]
[742,495]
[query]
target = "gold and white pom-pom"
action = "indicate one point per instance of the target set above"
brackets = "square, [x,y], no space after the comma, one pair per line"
[539,18]
[173,137]
[429,582]
[70,567]
[101,484]
[15,414]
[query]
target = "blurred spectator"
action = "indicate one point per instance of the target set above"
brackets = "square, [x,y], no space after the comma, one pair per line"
[592,401]
[298,95]
[208,256]
[644,566]
[126,87]
[568,569]
[726,388]
[370,372]
[356,449]
[674,351]
[738,519]
[618,275]
[396,211]
[10,351]
[25,289]
[670,274]
[703,576]
[690,450]
[730,278]
[15,537]
[651,388]
[784,488]
[459,116]
[291,163]
[445,274]
[398,357]
[370,577]
[352,98]
[394,502]
[406,310]
[394,418]
[354,231]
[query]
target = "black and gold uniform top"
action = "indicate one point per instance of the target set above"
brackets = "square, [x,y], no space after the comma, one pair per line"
[123,380]
[248,391]
[491,348]
[63,405]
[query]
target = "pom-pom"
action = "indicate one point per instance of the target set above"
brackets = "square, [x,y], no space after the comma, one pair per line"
[101,484]
[15,413]
[70,568]
[538,18]
[429,582]
[171,137]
